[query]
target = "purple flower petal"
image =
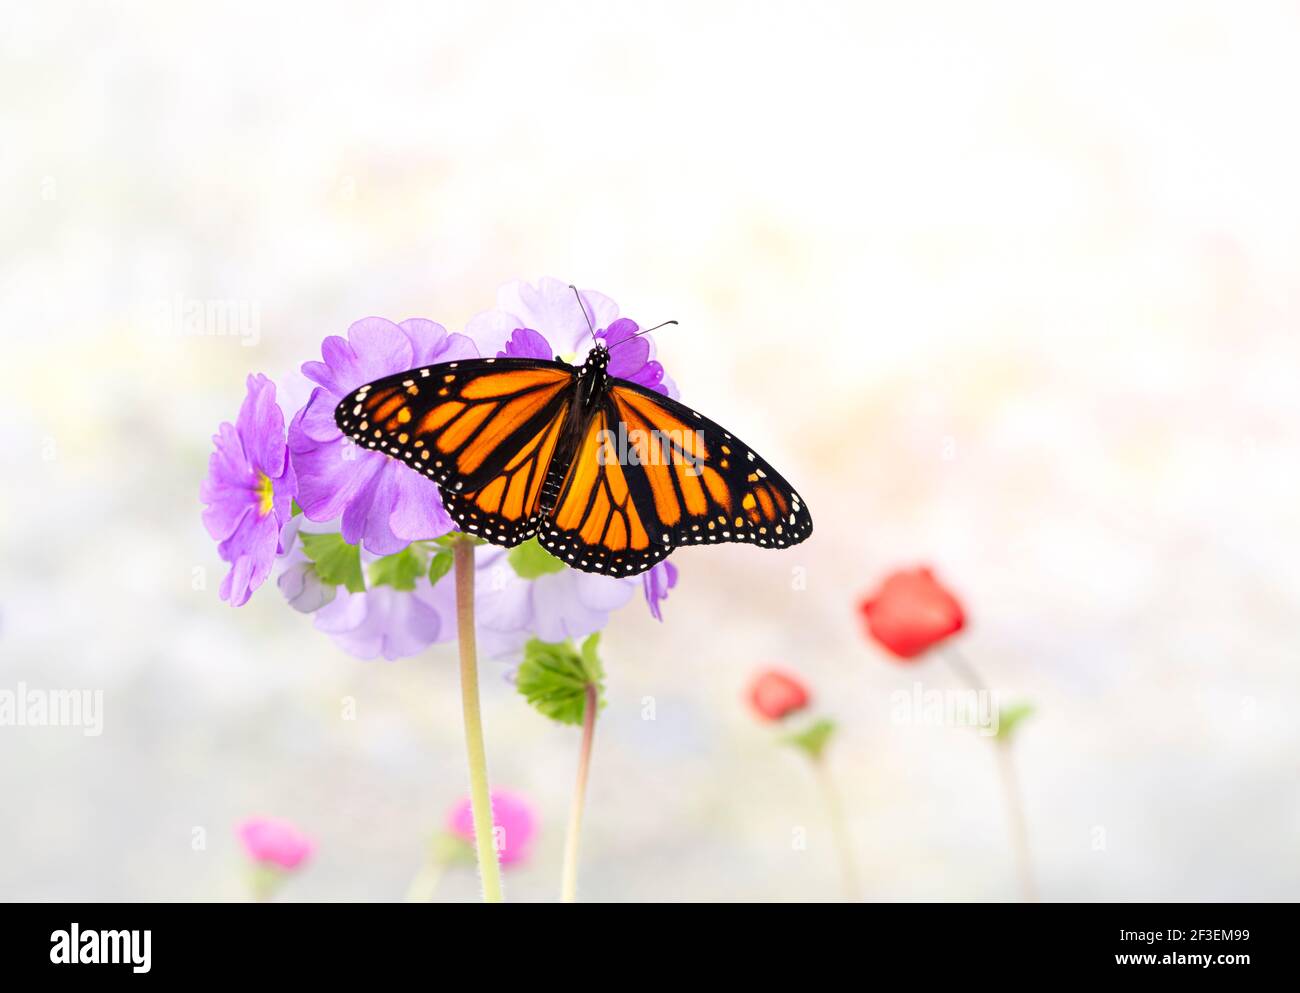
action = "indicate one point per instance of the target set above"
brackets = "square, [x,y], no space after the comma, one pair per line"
[383,503]
[492,329]
[599,592]
[414,516]
[431,342]
[358,515]
[249,490]
[250,550]
[226,488]
[558,613]
[572,604]
[330,472]
[658,581]
[526,343]
[503,601]
[631,356]
[302,587]
[389,622]
[344,615]
[261,427]
[550,307]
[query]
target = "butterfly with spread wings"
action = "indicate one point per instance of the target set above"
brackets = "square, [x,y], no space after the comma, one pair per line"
[608,475]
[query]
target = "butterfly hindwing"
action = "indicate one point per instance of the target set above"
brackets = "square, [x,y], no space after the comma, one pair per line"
[595,524]
[507,508]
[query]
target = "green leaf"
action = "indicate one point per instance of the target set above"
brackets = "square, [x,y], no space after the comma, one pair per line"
[294,509]
[440,565]
[554,677]
[813,739]
[399,570]
[1010,717]
[530,560]
[337,562]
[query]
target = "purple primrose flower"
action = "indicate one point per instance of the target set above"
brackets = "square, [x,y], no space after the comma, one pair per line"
[384,505]
[249,491]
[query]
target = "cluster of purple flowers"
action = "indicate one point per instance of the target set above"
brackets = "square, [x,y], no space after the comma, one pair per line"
[356,533]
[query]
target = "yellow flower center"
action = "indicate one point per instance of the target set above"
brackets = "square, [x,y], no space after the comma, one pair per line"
[265,494]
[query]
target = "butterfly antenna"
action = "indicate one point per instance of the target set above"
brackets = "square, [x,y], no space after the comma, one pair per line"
[583,306]
[640,333]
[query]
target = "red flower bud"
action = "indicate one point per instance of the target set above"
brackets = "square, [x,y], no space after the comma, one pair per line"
[774,695]
[911,612]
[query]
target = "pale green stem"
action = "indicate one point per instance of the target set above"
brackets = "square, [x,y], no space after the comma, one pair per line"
[1019,826]
[1011,797]
[264,881]
[425,882]
[569,878]
[839,828]
[479,795]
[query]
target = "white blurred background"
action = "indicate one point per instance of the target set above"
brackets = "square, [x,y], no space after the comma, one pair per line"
[1010,289]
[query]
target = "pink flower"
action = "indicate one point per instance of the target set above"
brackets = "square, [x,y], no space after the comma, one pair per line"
[273,841]
[513,821]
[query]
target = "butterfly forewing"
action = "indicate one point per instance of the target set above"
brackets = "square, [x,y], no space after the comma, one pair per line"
[696,481]
[463,424]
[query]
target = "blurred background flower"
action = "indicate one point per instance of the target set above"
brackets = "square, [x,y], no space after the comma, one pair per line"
[514,820]
[276,848]
[775,695]
[275,841]
[911,612]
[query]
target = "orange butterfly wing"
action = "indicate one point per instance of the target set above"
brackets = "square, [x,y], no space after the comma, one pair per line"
[485,430]
[650,474]
[595,524]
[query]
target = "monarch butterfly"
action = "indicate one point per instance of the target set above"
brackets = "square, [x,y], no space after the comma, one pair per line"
[608,475]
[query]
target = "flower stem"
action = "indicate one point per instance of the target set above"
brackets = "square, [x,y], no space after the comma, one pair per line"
[264,881]
[569,879]
[843,841]
[1011,795]
[1016,813]
[479,796]
[425,882]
